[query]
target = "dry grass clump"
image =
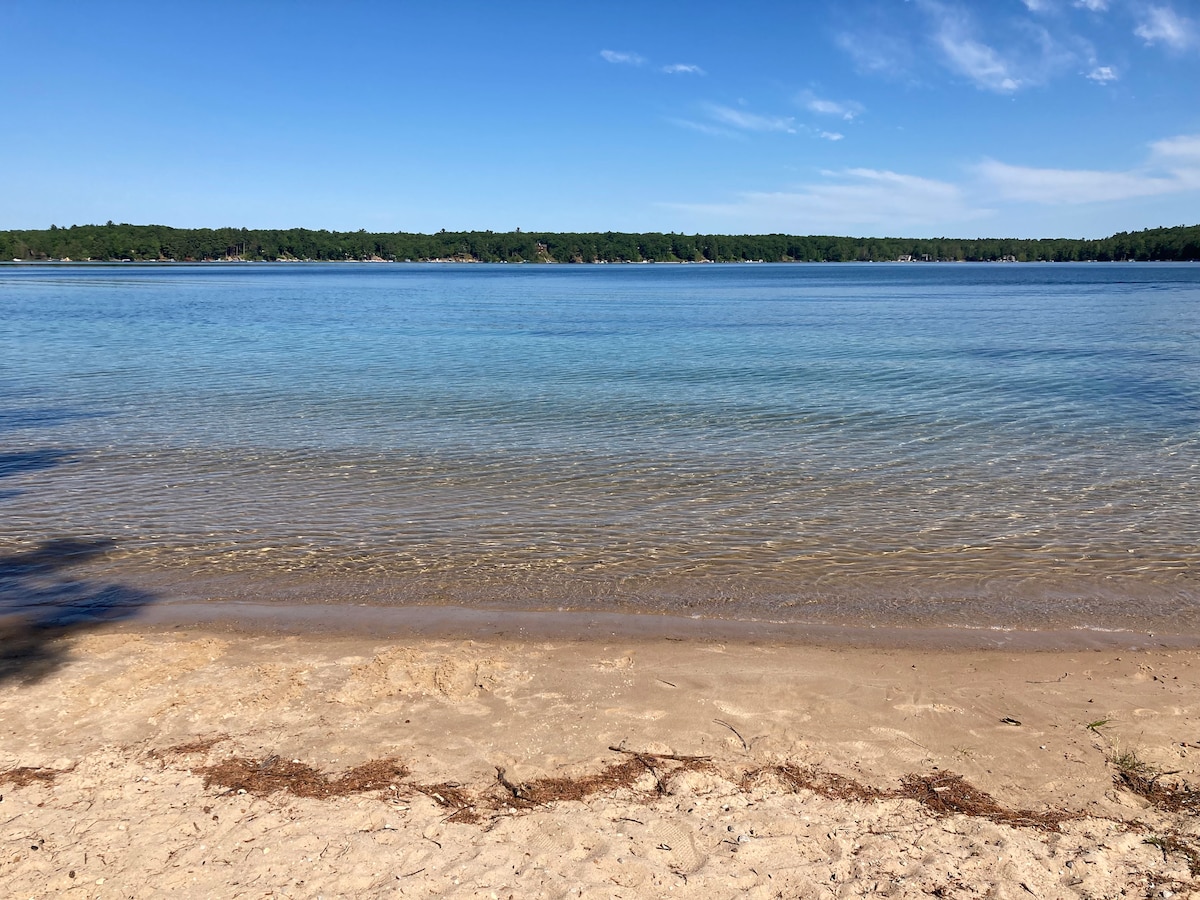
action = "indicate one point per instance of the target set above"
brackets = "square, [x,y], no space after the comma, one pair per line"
[299,779]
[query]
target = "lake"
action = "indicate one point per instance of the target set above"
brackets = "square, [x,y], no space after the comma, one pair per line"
[980,446]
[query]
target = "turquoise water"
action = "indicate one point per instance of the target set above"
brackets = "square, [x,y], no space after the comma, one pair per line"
[974,445]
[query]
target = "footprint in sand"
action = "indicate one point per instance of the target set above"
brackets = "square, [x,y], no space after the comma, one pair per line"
[919,708]
[678,845]
[405,671]
[647,714]
[618,663]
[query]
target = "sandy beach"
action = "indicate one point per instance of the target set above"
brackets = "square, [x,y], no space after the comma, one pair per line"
[144,760]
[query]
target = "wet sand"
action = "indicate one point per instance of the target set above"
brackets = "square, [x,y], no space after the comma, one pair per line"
[234,762]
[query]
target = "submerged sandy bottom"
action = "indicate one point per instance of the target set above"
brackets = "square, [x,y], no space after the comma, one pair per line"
[220,763]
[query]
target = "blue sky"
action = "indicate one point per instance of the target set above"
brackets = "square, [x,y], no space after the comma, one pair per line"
[1022,118]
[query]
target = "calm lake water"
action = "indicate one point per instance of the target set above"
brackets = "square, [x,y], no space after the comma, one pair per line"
[965,445]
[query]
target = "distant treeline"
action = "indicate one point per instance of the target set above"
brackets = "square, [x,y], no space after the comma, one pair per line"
[159,242]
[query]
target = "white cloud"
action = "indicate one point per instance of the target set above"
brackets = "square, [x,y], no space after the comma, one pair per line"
[683,69]
[1182,147]
[747,121]
[845,109]
[620,57]
[1163,24]
[1173,166]
[831,135]
[878,201]
[1058,186]
[1102,74]
[1053,5]
[869,199]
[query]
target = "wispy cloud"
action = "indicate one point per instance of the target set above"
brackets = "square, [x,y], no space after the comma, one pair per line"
[1173,165]
[705,128]
[683,69]
[1161,24]
[844,109]
[877,52]
[1093,5]
[954,35]
[1003,53]
[622,57]
[1102,74]
[733,122]
[748,121]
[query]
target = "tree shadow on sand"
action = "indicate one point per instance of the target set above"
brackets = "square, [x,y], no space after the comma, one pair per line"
[40,604]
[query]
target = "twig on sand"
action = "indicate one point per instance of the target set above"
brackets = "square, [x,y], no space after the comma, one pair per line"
[671,756]
[644,759]
[518,792]
[647,760]
[745,746]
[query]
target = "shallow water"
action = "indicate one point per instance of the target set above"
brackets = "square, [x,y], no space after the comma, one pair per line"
[971,445]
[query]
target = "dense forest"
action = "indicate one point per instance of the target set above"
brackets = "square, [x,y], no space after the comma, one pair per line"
[159,242]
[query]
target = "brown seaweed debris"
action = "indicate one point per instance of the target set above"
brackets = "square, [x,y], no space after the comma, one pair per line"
[810,778]
[195,746]
[1139,777]
[263,777]
[1174,842]
[943,794]
[615,776]
[23,776]
[541,791]
[507,795]
[948,794]
[199,745]
[452,796]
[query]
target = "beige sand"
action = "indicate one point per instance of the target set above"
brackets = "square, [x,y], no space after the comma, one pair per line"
[104,742]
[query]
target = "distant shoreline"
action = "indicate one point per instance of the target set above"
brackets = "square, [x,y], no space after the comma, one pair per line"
[159,243]
[83,263]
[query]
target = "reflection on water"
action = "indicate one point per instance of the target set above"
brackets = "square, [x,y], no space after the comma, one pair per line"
[881,444]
